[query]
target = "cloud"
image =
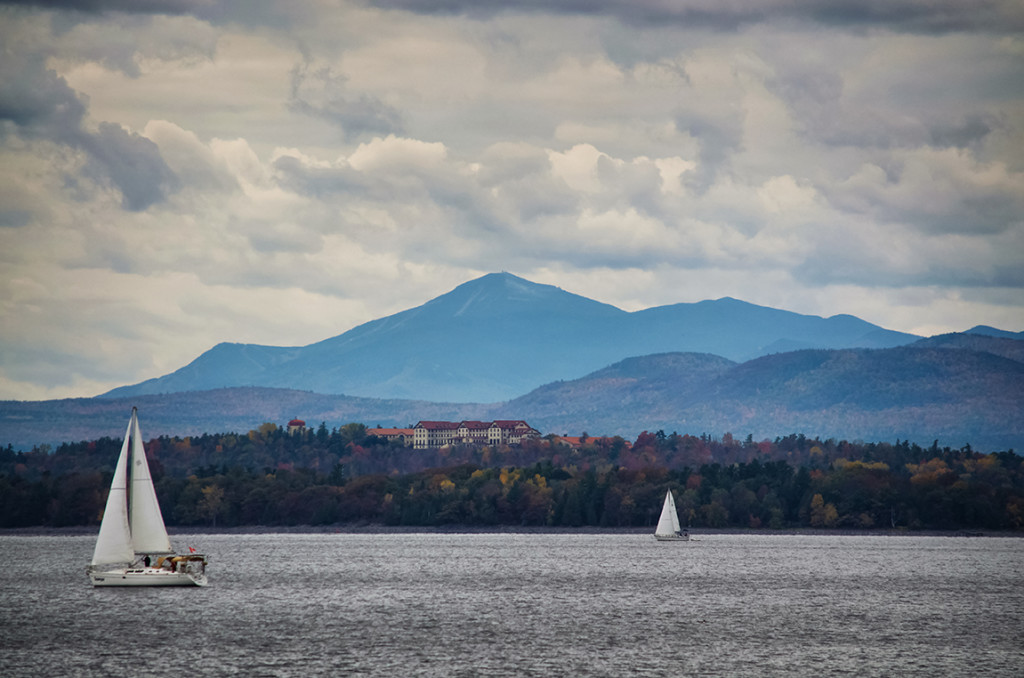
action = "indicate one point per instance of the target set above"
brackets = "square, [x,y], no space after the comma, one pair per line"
[196,165]
[279,172]
[133,163]
[36,101]
[938,190]
[920,16]
[39,105]
[142,6]
[321,92]
[130,43]
[926,16]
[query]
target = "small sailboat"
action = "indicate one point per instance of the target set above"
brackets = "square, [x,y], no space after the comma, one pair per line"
[668,524]
[133,548]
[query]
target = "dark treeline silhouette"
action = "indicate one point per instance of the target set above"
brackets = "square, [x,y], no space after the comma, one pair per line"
[269,477]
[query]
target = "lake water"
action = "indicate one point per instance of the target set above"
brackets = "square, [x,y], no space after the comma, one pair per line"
[526,605]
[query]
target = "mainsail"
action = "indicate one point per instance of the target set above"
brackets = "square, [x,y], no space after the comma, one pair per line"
[114,544]
[668,524]
[148,532]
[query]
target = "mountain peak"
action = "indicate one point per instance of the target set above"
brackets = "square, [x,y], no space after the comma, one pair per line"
[994,332]
[500,335]
[503,283]
[504,293]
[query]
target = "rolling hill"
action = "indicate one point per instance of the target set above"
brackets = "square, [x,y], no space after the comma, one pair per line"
[231,410]
[922,394]
[997,344]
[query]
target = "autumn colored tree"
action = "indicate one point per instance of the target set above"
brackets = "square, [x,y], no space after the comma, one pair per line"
[327,476]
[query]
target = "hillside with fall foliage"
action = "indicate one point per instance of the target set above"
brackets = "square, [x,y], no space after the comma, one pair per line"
[348,476]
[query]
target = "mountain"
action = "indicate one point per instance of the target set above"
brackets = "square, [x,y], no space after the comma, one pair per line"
[954,395]
[739,331]
[499,336]
[1002,345]
[623,398]
[993,332]
[931,390]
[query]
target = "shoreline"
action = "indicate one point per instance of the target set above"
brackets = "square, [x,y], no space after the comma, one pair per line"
[41,531]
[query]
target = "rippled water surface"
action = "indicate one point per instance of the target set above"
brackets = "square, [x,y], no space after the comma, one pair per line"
[526,604]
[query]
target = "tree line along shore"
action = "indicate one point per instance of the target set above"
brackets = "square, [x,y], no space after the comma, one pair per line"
[347,476]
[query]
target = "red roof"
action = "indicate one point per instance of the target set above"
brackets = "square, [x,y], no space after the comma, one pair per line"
[438,425]
[389,431]
[510,424]
[296,422]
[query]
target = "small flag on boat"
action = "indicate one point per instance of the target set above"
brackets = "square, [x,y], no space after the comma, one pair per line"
[191,550]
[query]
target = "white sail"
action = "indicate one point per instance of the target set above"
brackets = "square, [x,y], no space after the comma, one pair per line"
[668,523]
[674,512]
[147,523]
[114,544]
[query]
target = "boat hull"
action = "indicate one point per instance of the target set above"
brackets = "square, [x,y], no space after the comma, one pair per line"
[148,576]
[672,537]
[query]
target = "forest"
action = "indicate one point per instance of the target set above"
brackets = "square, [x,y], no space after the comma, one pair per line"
[347,476]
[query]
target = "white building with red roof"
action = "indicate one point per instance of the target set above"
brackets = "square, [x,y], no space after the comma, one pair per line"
[473,432]
[510,432]
[426,434]
[430,434]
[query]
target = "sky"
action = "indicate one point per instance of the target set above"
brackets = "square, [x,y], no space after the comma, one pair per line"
[179,173]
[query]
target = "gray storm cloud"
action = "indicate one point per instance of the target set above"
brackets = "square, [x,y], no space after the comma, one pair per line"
[41,106]
[926,16]
[278,172]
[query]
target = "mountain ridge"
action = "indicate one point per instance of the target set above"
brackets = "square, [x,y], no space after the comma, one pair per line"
[994,332]
[936,391]
[496,337]
[957,396]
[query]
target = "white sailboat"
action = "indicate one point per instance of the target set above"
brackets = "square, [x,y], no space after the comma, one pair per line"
[133,548]
[668,523]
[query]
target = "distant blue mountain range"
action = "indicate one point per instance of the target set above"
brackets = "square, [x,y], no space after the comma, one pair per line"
[501,347]
[993,332]
[956,389]
[500,336]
